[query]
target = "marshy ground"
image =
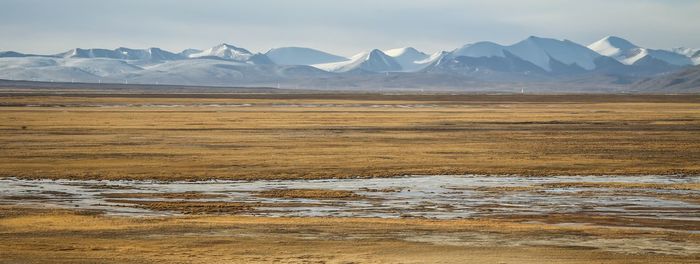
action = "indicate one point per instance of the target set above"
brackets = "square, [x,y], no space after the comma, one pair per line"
[339,137]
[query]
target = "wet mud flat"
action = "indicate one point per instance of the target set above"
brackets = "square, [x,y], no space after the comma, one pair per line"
[665,202]
[413,219]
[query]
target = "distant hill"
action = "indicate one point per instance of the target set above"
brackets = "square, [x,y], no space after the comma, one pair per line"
[687,80]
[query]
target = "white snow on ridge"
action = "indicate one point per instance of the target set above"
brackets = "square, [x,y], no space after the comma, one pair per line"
[433,58]
[99,67]
[619,49]
[480,49]
[693,54]
[541,50]
[394,60]
[406,51]
[612,46]
[301,56]
[225,51]
[373,61]
[332,66]
[226,64]
[628,53]
[409,58]
[688,52]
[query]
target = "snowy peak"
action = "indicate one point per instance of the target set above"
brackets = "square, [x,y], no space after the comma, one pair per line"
[225,51]
[627,53]
[480,49]
[377,61]
[693,54]
[541,52]
[301,56]
[150,54]
[372,61]
[404,52]
[619,49]
[409,58]
[611,46]
[373,54]
[688,52]
[91,53]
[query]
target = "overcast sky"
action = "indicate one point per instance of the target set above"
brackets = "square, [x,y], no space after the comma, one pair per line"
[342,27]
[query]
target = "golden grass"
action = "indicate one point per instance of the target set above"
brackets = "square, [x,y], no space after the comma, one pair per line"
[70,137]
[63,237]
[190,207]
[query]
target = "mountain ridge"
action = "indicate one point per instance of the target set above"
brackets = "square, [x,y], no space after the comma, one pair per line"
[532,60]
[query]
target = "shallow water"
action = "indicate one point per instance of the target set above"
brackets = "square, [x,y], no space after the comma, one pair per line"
[439,197]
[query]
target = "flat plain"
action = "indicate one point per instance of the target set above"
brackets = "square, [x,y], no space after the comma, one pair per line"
[281,136]
[277,136]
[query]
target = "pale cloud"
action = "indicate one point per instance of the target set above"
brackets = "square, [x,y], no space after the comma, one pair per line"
[344,27]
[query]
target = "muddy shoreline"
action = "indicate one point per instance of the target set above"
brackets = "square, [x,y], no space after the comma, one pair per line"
[651,201]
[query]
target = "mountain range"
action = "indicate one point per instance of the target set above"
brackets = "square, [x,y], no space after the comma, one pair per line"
[540,63]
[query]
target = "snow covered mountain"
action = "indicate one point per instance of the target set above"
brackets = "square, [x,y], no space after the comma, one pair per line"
[688,52]
[409,58]
[371,61]
[150,54]
[225,51]
[629,54]
[505,67]
[200,71]
[186,53]
[480,49]
[611,61]
[543,52]
[90,53]
[229,52]
[221,73]
[693,54]
[394,60]
[220,65]
[301,56]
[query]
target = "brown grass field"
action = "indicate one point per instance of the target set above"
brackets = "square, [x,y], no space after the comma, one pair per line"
[271,136]
[36,236]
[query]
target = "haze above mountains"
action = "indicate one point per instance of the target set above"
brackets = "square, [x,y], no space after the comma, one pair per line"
[540,64]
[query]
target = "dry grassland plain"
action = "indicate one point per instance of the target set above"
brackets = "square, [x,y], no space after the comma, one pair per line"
[273,136]
[67,237]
